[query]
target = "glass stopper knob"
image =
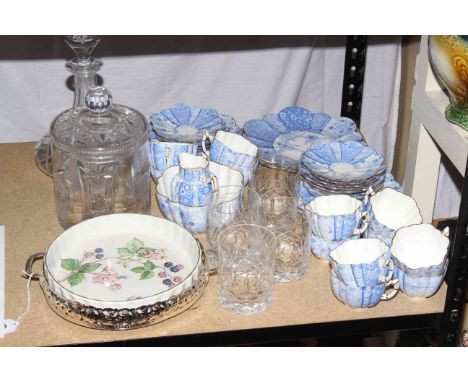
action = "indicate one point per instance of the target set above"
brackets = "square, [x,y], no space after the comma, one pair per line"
[98,99]
[82,45]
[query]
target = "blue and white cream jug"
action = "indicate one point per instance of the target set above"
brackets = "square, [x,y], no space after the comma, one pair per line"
[194,181]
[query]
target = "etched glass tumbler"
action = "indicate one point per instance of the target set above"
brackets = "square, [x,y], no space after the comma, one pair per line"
[226,206]
[280,213]
[246,268]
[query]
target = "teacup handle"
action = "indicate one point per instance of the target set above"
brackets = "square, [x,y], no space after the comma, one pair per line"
[388,295]
[391,269]
[364,224]
[206,153]
[395,284]
[214,182]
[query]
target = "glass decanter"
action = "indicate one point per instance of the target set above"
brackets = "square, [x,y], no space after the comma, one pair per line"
[84,68]
[100,160]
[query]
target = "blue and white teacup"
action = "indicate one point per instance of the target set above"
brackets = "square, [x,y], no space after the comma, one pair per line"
[336,217]
[357,298]
[362,263]
[419,253]
[166,154]
[321,247]
[390,211]
[234,151]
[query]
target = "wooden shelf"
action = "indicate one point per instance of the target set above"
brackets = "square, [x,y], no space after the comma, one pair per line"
[28,212]
[452,139]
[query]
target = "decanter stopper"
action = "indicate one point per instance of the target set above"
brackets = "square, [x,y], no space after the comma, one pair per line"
[82,45]
[98,99]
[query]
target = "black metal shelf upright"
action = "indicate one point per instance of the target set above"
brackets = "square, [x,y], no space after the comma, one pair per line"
[351,102]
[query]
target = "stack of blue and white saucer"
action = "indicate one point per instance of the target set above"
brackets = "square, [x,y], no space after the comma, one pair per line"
[341,168]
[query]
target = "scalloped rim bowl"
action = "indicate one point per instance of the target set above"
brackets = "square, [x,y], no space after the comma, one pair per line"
[180,244]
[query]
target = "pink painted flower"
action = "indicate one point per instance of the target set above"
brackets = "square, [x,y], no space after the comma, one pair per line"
[107,276]
[180,266]
[152,256]
[162,274]
[177,279]
[116,287]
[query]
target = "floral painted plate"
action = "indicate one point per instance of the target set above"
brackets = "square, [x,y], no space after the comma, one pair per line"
[123,261]
[294,129]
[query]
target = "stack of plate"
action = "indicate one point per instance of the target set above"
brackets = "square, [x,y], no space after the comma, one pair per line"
[347,168]
[185,124]
[293,130]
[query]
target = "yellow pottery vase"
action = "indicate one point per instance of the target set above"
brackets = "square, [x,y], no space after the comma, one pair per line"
[449,59]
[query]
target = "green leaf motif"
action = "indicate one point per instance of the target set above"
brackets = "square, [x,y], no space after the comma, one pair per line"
[146,275]
[124,263]
[149,266]
[138,270]
[134,245]
[70,264]
[89,267]
[76,278]
[124,252]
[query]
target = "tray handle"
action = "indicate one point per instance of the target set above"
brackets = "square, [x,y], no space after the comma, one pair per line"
[28,268]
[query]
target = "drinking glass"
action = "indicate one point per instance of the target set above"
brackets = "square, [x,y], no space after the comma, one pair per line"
[246,268]
[280,213]
[275,171]
[226,206]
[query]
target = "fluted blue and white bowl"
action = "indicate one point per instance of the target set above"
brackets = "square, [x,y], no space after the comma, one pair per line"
[182,123]
[345,161]
[294,129]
